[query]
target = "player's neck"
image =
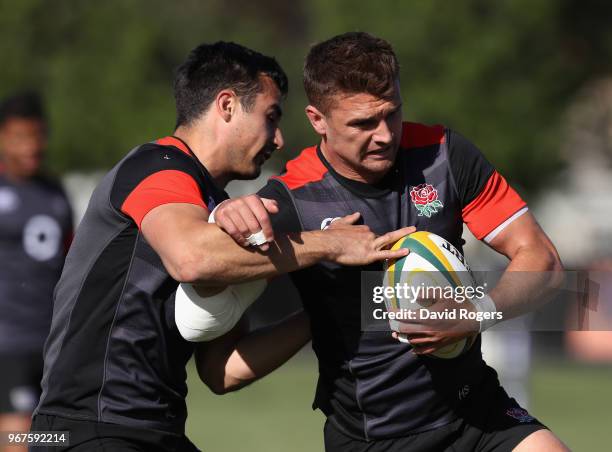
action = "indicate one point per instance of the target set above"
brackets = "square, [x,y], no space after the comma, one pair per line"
[207,149]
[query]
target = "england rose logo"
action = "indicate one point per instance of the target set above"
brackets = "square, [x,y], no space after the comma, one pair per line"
[425,199]
[520,415]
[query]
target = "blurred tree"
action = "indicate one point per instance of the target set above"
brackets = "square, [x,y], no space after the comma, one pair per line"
[499,72]
[106,68]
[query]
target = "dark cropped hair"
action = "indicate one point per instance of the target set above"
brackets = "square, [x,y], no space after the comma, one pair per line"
[350,63]
[27,104]
[210,68]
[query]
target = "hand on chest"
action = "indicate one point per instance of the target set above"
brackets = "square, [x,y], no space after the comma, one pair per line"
[424,205]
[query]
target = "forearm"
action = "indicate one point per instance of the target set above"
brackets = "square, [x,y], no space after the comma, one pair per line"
[263,351]
[528,282]
[192,250]
[237,359]
[216,260]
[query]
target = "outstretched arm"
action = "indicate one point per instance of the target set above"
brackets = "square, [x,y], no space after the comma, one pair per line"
[194,251]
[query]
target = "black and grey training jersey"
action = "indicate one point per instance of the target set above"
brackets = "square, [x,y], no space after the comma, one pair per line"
[114,353]
[35,229]
[370,385]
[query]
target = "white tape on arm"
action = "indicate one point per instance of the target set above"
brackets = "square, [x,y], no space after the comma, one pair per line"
[402,337]
[211,217]
[201,319]
[257,239]
[486,305]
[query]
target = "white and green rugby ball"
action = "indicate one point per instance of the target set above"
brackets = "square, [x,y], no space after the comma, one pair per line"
[432,262]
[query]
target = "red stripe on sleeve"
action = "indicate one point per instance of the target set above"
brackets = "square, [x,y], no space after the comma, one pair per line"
[163,187]
[495,204]
[416,135]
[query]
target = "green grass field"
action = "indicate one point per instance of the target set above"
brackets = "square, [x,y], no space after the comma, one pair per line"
[274,414]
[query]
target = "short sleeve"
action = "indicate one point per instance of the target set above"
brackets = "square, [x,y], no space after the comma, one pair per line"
[155,175]
[471,170]
[162,187]
[488,202]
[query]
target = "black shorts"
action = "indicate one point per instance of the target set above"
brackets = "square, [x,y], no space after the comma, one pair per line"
[20,377]
[102,436]
[492,422]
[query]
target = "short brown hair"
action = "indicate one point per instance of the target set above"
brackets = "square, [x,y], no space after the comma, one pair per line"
[354,62]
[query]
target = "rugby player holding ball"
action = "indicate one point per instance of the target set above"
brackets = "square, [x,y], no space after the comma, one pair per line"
[380,394]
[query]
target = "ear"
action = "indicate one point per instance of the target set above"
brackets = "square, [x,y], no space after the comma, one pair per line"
[226,104]
[317,120]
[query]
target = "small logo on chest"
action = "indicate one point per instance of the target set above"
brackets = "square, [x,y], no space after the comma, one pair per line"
[327,222]
[425,199]
[520,415]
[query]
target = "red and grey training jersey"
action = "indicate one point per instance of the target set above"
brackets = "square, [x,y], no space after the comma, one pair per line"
[370,385]
[35,230]
[114,353]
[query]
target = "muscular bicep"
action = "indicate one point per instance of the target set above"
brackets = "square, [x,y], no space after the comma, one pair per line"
[177,232]
[522,233]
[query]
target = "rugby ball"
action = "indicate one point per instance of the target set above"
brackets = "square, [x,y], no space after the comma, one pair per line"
[432,262]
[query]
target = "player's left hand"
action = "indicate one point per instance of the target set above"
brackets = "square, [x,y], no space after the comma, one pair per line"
[436,327]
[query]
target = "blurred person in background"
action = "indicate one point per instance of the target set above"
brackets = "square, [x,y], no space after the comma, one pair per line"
[35,231]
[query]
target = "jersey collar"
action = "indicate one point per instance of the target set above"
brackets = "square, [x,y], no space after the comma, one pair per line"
[378,190]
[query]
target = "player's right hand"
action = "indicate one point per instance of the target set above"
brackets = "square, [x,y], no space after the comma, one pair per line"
[357,245]
[247,215]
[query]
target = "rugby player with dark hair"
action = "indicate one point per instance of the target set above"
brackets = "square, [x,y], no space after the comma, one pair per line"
[35,229]
[114,373]
[380,394]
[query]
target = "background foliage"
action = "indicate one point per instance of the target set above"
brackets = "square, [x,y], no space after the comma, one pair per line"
[499,72]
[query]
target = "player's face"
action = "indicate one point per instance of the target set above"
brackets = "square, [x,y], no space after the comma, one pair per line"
[361,134]
[22,142]
[257,134]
